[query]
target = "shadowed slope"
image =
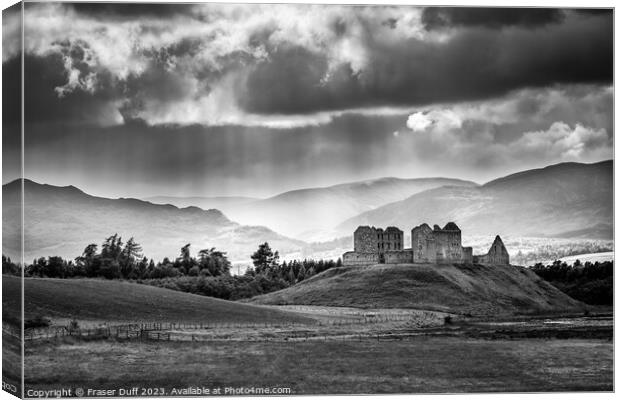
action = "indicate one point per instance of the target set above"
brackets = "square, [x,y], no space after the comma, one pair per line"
[100,300]
[472,289]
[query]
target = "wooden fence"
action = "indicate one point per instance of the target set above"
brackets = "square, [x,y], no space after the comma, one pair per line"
[289,337]
[216,331]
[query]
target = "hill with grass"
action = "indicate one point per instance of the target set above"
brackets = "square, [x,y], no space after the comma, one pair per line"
[118,302]
[475,289]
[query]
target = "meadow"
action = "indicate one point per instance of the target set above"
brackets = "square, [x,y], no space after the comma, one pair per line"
[95,301]
[417,365]
[311,349]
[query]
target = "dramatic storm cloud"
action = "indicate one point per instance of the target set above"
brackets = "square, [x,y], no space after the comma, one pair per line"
[142,99]
[443,17]
[221,64]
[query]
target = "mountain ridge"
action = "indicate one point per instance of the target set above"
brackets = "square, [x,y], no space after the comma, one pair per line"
[556,199]
[298,212]
[563,200]
[62,220]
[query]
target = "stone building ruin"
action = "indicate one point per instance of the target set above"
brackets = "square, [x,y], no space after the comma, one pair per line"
[437,246]
[497,254]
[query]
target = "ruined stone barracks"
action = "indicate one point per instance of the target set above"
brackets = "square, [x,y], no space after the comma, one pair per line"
[436,246]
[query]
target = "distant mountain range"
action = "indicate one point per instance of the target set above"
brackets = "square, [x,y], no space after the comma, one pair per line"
[311,214]
[206,203]
[63,220]
[563,200]
[567,200]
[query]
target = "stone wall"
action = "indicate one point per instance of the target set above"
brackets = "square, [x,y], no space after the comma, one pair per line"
[368,239]
[392,239]
[423,244]
[497,254]
[352,258]
[468,255]
[448,244]
[399,256]
[438,245]
[365,240]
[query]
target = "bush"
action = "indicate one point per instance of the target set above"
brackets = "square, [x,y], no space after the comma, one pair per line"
[37,322]
[590,283]
[73,325]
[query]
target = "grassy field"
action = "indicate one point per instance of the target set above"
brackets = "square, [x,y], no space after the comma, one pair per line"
[115,301]
[424,364]
[419,352]
[475,289]
[11,361]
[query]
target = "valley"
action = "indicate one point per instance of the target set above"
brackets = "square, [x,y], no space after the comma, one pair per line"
[308,349]
[562,216]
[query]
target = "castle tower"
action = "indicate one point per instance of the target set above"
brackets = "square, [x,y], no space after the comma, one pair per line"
[366,239]
[393,239]
[423,244]
[448,244]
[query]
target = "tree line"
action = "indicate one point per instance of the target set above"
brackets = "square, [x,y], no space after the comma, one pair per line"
[267,275]
[591,283]
[207,274]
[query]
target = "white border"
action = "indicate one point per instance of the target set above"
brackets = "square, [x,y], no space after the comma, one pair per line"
[487,3]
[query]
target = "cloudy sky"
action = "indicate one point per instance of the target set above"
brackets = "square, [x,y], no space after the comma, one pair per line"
[139,100]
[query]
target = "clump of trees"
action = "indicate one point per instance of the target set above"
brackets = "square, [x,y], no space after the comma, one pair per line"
[267,263]
[207,274]
[9,267]
[267,275]
[591,283]
[119,260]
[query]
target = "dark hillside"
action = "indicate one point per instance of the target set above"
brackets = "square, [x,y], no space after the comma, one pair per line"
[476,289]
[117,301]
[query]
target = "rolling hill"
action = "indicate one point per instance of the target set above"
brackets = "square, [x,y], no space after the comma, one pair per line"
[63,220]
[311,214]
[563,200]
[206,203]
[477,289]
[118,301]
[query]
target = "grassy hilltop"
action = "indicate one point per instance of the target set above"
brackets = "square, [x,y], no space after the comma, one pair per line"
[117,301]
[472,289]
